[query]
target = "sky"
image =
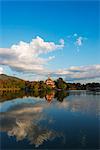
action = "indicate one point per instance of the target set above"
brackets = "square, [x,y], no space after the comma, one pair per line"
[55,38]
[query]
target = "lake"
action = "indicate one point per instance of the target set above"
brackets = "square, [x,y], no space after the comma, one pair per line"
[55,121]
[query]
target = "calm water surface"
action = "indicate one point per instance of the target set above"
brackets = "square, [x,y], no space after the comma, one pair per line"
[52,122]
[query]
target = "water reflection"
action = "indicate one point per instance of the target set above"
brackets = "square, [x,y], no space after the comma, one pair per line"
[49,97]
[70,117]
[59,95]
[23,121]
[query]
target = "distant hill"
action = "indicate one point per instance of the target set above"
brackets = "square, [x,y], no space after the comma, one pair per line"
[11,82]
[6,77]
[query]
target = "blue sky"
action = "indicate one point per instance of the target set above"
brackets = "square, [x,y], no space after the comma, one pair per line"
[75,22]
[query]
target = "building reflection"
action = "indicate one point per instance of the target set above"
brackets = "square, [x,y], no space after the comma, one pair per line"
[49,97]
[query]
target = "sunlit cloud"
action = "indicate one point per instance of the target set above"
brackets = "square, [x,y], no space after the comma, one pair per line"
[26,57]
[1,70]
[79,72]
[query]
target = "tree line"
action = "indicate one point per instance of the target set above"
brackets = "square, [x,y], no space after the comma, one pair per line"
[60,84]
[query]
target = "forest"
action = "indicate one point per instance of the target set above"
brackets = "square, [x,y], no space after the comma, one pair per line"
[13,83]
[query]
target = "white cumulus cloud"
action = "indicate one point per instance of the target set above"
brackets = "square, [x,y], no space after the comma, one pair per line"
[27,56]
[1,70]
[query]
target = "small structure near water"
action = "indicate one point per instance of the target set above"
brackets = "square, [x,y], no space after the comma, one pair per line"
[50,82]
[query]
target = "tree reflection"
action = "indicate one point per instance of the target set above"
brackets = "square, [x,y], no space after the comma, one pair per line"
[60,95]
[48,95]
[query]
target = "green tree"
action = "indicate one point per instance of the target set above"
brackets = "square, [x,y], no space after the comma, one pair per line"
[61,84]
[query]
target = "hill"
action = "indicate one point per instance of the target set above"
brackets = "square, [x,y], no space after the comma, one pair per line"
[11,82]
[6,77]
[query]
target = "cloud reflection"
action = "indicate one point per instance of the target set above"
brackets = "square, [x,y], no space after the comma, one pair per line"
[24,121]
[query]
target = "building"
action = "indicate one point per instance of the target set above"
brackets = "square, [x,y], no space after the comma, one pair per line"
[50,82]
